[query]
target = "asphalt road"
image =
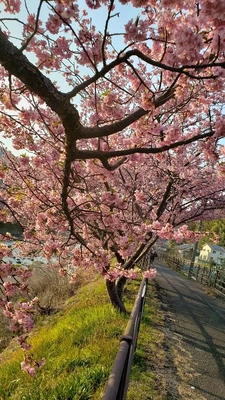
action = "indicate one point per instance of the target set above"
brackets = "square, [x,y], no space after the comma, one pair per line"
[195,326]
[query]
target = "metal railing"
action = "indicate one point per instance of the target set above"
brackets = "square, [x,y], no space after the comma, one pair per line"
[208,276]
[117,385]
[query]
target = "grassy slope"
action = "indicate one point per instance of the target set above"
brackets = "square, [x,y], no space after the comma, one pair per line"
[80,344]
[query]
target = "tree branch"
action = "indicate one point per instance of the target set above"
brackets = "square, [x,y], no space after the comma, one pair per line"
[131,53]
[107,130]
[24,46]
[110,167]
[17,64]
[105,155]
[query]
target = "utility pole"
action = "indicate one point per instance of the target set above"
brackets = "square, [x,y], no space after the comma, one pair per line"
[195,248]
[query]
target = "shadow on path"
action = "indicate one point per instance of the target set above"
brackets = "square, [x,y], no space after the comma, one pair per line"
[196,329]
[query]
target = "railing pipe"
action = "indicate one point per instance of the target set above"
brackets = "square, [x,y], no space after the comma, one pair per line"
[132,330]
[117,385]
[113,389]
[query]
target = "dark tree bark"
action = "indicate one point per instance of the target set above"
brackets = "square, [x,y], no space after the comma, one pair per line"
[114,297]
[120,286]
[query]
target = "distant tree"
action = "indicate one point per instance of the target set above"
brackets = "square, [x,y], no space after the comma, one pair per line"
[215,232]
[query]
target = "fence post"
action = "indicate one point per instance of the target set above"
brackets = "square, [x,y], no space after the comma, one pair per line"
[216,278]
[198,269]
[208,277]
[203,271]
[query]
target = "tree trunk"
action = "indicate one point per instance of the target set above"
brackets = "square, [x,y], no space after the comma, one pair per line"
[114,297]
[120,286]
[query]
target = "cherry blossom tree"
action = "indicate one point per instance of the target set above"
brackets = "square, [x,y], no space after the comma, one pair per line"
[118,122]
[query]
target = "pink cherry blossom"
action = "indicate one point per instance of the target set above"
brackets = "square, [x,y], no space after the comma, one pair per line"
[150,273]
[118,123]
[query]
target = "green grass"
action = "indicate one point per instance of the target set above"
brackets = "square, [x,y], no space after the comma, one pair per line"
[80,344]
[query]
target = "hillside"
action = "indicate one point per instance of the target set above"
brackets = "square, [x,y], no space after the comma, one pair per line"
[80,343]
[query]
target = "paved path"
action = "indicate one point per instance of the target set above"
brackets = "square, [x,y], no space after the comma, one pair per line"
[196,325]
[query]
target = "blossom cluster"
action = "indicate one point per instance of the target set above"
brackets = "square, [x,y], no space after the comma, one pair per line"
[150,274]
[30,366]
[21,315]
[128,155]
